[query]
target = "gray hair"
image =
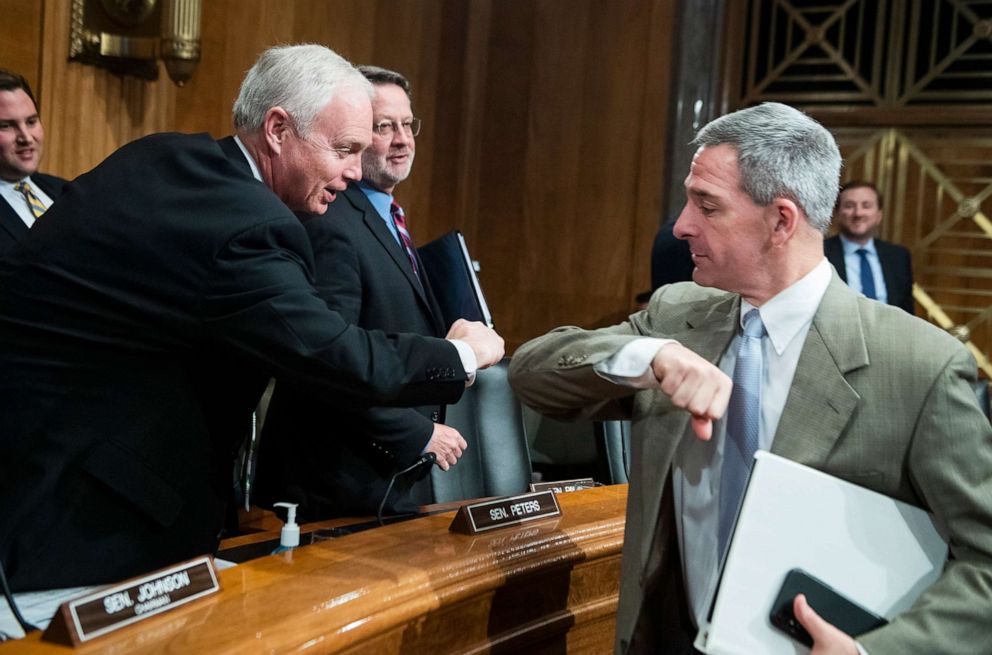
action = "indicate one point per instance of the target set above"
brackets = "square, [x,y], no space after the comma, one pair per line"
[301,79]
[782,153]
[377,75]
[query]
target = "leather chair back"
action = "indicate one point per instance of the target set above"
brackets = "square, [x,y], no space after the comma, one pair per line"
[497,462]
[616,445]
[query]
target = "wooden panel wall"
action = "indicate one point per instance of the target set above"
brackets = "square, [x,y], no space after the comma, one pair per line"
[543,138]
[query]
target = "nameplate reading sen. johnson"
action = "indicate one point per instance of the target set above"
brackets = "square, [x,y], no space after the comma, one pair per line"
[113,608]
[564,486]
[492,514]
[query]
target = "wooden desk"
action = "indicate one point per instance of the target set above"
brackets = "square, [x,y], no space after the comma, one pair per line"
[547,587]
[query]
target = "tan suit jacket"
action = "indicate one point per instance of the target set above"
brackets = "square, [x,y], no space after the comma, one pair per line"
[880,398]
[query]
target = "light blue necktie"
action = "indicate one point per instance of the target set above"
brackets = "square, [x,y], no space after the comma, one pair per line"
[743,416]
[867,277]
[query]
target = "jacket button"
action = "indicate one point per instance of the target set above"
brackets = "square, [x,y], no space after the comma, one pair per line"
[435,416]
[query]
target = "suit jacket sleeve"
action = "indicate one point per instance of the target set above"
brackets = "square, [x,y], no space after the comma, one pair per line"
[261,305]
[404,432]
[950,460]
[554,373]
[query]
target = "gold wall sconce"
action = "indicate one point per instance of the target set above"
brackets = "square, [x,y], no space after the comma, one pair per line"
[128,37]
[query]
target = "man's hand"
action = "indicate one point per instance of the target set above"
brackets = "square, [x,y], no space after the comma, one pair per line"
[484,342]
[827,640]
[693,384]
[447,444]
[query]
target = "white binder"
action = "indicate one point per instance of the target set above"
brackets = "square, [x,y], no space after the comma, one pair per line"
[879,552]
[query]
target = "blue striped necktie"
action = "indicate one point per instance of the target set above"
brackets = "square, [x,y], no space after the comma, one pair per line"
[34,203]
[743,417]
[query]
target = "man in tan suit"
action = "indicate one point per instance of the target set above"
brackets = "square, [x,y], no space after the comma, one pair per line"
[852,387]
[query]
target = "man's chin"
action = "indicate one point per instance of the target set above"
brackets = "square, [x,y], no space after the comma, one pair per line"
[702,279]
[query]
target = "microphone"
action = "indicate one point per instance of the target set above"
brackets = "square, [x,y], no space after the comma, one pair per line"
[427,458]
[25,626]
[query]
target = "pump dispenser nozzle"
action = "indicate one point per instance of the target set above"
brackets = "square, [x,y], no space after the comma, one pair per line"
[289,537]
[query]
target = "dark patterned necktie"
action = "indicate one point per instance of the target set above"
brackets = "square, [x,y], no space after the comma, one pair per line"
[34,203]
[399,219]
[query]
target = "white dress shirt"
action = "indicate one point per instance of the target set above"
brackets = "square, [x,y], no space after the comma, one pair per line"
[17,201]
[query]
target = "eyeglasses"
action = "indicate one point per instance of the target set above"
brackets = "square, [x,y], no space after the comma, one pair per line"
[411,127]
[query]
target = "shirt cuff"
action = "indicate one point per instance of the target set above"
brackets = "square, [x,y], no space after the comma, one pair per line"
[631,365]
[861,649]
[469,362]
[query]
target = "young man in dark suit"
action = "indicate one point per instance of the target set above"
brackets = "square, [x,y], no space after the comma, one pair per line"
[26,194]
[336,461]
[880,270]
[141,320]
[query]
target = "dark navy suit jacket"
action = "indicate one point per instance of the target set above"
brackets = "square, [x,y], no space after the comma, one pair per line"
[897,269]
[139,324]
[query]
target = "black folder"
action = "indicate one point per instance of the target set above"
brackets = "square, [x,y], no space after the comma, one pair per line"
[452,276]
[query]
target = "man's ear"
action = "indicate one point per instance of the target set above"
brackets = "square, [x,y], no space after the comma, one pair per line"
[277,126]
[785,218]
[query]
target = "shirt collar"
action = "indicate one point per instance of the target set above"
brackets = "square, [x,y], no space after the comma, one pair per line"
[851,247]
[251,162]
[793,307]
[6,183]
[380,200]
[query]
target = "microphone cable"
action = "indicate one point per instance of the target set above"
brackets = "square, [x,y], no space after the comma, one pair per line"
[427,458]
[25,626]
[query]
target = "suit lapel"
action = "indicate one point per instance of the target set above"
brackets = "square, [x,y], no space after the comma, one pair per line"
[381,232]
[712,328]
[52,186]
[11,222]
[821,402]
[889,270]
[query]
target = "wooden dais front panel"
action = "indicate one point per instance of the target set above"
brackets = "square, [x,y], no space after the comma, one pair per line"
[546,587]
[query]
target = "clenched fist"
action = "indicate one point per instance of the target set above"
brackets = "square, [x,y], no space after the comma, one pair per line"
[484,342]
[693,384]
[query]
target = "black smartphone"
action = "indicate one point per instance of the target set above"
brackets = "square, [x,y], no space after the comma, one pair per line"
[832,606]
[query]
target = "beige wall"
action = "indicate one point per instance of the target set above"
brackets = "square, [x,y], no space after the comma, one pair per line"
[543,138]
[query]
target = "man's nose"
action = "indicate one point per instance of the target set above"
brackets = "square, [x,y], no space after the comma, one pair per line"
[401,137]
[683,224]
[353,168]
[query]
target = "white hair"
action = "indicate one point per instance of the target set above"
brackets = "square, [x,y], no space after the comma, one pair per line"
[781,153]
[301,79]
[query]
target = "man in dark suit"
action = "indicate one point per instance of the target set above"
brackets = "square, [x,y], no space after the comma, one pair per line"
[880,270]
[822,376]
[25,192]
[331,461]
[140,321]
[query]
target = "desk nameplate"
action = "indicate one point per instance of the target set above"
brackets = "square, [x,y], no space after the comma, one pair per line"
[128,602]
[564,486]
[503,512]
